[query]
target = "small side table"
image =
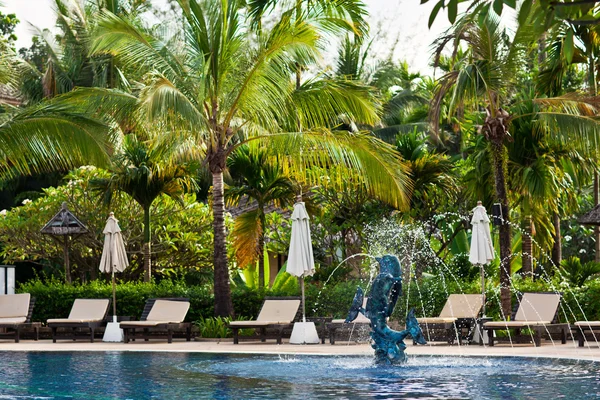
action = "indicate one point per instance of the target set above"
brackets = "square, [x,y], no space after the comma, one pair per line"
[480,334]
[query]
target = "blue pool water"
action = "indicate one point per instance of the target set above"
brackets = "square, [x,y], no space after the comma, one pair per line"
[75,375]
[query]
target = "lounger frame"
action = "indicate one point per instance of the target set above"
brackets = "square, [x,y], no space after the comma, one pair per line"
[278,328]
[538,330]
[14,330]
[580,328]
[462,327]
[76,327]
[131,331]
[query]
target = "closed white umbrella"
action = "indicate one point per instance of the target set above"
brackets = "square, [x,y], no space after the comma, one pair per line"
[301,263]
[114,259]
[482,248]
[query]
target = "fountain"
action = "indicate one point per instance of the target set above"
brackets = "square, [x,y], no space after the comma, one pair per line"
[387,287]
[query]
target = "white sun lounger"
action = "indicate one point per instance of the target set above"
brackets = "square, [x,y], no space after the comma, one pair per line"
[460,312]
[85,313]
[537,312]
[277,313]
[15,314]
[162,315]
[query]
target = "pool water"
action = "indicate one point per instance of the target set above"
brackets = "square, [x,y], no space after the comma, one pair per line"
[147,375]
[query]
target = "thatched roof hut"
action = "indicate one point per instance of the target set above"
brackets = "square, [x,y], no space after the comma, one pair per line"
[591,217]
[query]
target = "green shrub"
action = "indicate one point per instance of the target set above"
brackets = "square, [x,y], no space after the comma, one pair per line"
[576,272]
[217,327]
[213,327]
[55,298]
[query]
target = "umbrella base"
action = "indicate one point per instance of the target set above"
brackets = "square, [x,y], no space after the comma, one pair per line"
[304,333]
[113,333]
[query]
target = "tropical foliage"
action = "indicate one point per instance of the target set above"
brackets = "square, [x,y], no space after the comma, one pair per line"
[233,100]
[181,235]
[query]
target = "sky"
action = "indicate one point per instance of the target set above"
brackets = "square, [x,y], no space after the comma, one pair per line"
[399,24]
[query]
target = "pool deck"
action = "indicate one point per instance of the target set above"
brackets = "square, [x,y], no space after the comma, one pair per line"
[547,350]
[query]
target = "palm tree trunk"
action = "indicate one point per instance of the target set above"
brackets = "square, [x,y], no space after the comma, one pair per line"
[526,248]
[223,304]
[261,249]
[147,261]
[593,87]
[557,247]
[499,160]
[596,228]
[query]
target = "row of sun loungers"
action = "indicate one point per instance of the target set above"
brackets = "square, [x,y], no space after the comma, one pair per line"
[537,314]
[87,315]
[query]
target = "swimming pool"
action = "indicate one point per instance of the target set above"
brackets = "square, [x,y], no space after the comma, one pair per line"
[129,375]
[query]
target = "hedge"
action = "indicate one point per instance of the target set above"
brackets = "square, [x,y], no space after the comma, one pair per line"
[54,299]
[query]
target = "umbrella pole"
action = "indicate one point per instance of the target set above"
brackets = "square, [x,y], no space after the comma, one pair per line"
[482,287]
[114,287]
[303,302]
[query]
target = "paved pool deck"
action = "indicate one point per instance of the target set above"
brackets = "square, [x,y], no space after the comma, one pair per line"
[547,350]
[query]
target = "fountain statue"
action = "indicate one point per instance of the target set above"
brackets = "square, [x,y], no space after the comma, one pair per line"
[387,287]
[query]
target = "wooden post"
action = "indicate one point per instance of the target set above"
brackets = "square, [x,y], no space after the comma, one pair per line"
[67,264]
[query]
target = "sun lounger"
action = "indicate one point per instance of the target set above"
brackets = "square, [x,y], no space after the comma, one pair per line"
[15,315]
[456,320]
[85,313]
[276,313]
[537,312]
[360,323]
[581,327]
[160,315]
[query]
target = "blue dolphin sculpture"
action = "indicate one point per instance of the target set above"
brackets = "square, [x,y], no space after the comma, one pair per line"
[387,287]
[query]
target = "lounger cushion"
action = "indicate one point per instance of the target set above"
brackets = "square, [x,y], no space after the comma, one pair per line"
[537,307]
[14,305]
[12,320]
[71,321]
[514,324]
[462,306]
[591,324]
[257,323]
[169,311]
[436,320]
[144,323]
[279,310]
[86,310]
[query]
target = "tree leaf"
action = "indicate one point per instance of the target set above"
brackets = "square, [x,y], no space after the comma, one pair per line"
[452,10]
[483,14]
[434,12]
[568,46]
[524,11]
[511,3]
[498,5]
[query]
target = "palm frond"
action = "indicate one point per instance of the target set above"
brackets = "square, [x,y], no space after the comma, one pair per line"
[384,172]
[247,230]
[134,46]
[36,141]
[321,102]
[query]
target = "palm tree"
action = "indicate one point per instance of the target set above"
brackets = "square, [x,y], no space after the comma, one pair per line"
[537,174]
[257,178]
[218,85]
[486,81]
[69,62]
[145,170]
[572,44]
[431,172]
